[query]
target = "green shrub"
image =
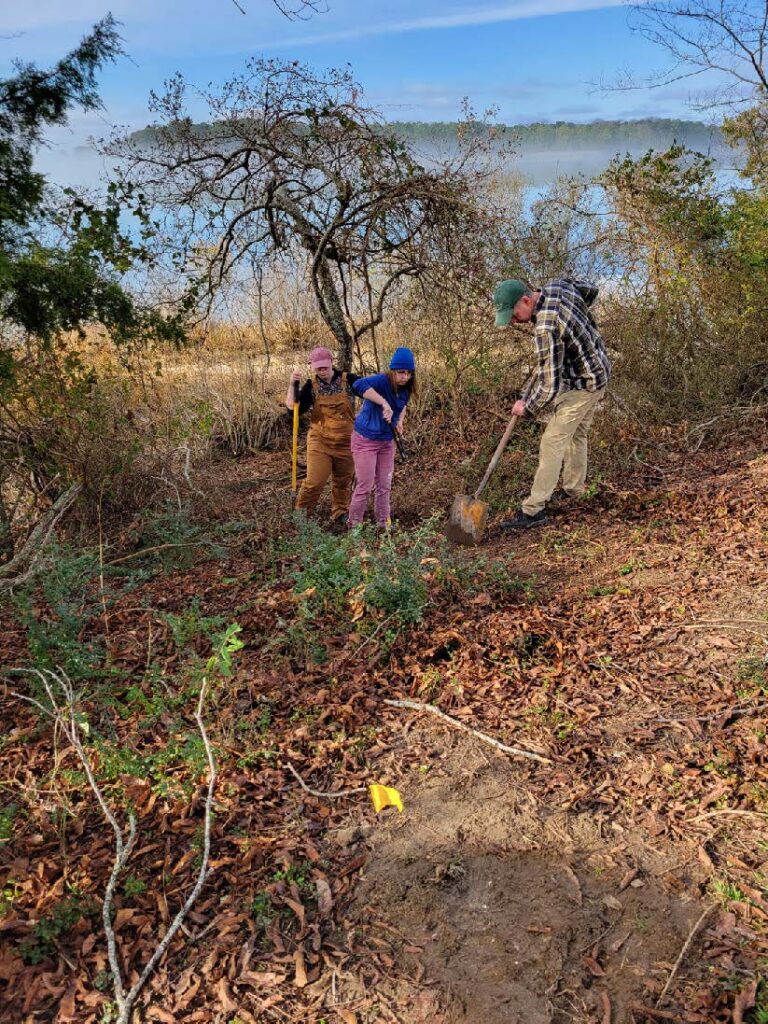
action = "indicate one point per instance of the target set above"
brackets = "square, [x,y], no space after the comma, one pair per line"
[56,608]
[329,566]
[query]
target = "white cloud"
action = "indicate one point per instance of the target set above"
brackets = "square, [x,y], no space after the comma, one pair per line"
[463,18]
[167,28]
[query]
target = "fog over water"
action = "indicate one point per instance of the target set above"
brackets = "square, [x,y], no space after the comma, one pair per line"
[83,167]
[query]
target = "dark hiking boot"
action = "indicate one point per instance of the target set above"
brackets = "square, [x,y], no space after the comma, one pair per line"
[523,522]
[338,524]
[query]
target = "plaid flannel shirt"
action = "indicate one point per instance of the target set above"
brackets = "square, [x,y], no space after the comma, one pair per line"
[570,353]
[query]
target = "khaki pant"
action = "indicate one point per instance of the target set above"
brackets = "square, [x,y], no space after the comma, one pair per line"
[564,446]
[327,460]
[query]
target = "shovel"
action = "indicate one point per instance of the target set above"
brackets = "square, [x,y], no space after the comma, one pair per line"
[295,446]
[468,515]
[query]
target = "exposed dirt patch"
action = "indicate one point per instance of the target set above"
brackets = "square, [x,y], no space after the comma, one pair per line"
[517,917]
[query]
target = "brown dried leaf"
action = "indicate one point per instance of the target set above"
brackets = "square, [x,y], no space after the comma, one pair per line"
[223,991]
[593,967]
[324,897]
[745,1000]
[67,1005]
[300,979]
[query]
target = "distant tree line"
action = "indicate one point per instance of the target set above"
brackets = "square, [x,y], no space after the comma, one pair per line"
[647,133]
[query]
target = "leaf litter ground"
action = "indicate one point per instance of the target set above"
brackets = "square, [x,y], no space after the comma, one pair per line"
[625,641]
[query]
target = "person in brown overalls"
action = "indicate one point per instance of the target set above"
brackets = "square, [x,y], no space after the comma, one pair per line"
[329,396]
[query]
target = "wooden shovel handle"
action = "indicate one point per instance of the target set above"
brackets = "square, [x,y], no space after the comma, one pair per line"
[497,455]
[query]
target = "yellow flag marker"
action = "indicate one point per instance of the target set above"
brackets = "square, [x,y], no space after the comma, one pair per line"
[384,796]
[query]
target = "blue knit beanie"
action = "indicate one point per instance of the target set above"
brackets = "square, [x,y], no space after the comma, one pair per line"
[402,359]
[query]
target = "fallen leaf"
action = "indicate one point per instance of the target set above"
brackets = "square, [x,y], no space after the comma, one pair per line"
[226,1002]
[605,999]
[67,1006]
[627,879]
[593,967]
[324,897]
[745,1000]
[301,972]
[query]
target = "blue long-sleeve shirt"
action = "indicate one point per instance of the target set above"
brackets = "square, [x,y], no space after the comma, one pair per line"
[370,421]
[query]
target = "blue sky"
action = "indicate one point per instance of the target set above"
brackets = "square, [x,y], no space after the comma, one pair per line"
[416,59]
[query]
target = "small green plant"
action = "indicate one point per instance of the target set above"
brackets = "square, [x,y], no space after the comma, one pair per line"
[529,646]
[256,759]
[592,489]
[133,886]
[753,670]
[429,683]
[102,981]
[726,892]
[264,721]
[557,721]
[153,699]
[172,540]
[261,910]
[8,894]
[109,1012]
[42,944]
[641,923]
[190,624]
[7,818]
[296,873]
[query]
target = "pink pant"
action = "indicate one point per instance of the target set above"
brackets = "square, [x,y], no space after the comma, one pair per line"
[374,466]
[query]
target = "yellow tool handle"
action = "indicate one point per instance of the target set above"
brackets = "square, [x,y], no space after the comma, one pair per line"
[295,450]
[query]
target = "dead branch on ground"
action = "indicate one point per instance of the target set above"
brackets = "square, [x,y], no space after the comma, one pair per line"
[686,946]
[415,705]
[324,795]
[26,562]
[66,717]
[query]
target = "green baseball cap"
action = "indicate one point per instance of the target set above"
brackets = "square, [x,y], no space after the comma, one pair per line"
[505,298]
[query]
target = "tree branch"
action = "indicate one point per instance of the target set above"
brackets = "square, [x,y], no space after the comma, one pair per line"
[415,705]
[65,716]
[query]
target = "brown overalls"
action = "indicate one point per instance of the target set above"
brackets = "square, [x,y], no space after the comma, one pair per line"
[329,453]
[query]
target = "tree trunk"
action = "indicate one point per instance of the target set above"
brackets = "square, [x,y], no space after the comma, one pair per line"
[332,313]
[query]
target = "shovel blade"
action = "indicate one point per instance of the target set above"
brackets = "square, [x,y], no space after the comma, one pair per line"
[468,520]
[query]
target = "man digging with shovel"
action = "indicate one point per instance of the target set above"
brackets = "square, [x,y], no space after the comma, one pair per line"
[572,372]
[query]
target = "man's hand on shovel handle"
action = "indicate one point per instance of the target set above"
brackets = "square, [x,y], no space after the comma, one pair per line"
[518,409]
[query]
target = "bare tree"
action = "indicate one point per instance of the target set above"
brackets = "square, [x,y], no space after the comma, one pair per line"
[702,36]
[292,165]
[293,9]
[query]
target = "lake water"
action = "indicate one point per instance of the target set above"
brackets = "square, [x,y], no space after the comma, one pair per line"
[83,167]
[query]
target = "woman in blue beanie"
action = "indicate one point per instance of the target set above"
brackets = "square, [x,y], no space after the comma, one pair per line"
[373,448]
